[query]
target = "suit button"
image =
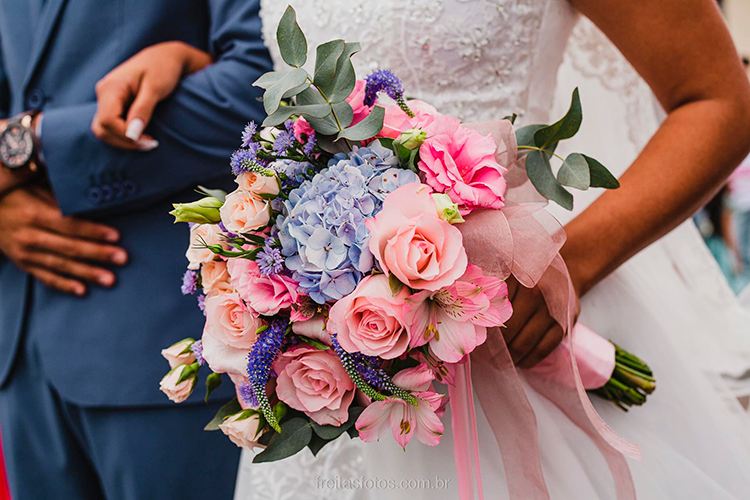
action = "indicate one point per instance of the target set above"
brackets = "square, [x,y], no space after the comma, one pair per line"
[130,187]
[118,189]
[34,99]
[95,195]
[106,192]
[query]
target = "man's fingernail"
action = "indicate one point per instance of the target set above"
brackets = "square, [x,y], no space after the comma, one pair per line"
[147,144]
[106,280]
[119,258]
[135,129]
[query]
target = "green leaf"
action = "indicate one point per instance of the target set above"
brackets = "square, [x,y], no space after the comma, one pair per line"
[328,125]
[213,381]
[316,444]
[367,128]
[511,118]
[565,128]
[292,42]
[280,410]
[525,135]
[540,175]
[219,194]
[295,434]
[331,431]
[387,142]
[294,79]
[600,176]
[269,79]
[308,111]
[354,414]
[395,284]
[345,79]
[314,343]
[575,172]
[327,143]
[225,411]
[326,60]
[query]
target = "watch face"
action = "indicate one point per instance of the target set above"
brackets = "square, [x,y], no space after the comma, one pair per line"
[16,146]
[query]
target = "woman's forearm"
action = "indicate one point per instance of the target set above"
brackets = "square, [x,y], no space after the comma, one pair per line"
[692,154]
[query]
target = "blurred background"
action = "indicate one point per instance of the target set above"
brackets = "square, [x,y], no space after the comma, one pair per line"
[725,221]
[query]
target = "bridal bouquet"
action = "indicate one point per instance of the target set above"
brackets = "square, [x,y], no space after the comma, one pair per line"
[336,281]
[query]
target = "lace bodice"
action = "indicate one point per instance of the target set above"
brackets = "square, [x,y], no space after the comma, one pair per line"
[474,59]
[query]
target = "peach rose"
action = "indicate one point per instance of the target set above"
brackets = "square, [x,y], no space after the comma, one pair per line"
[179,353]
[408,239]
[201,235]
[314,382]
[258,184]
[214,276]
[243,212]
[178,391]
[243,429]
[370,319]
[229,321]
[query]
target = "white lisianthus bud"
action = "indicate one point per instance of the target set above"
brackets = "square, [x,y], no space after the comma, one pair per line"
[243,429]
[447,210]
[203,211]
[179,353]
[412,138]
[179,383]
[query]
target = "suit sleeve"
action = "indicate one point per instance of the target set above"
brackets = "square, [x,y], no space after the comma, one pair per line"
[197,127]
[4,89]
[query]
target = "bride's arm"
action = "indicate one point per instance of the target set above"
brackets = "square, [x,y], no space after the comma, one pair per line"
[684,52]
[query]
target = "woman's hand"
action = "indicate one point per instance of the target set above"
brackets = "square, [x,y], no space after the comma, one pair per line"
[136,87]
[531,333]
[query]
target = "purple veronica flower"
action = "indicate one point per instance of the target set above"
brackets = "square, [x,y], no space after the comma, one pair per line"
[265,351]
[283,142]
[244,160]
[385,81]
[248,134]
[189,282]
[197,349]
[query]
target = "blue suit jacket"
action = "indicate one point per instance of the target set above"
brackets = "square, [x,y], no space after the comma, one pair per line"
[103,349]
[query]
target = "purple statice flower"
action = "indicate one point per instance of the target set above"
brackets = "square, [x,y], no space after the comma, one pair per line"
[385,81]
[189,282]
[269,259]
[246,393]
[310,144]
[197,349]
[202,303]
[283,142]
[248,135]
[265,350]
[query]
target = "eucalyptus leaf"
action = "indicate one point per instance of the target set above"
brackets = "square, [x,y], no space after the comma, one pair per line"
[575,172]
[328,144]
[525,135]
[295,434]
[213,381]
[565,128]
[296,90]
[308,111]
[328,125]
[267,80]
[316,444]
[331,431]
[600,176]
[326,59]
[292,42]
[511,118]
[293,79]
[387,142]
[540,175]
[367,128]
[228,409]
[344,81]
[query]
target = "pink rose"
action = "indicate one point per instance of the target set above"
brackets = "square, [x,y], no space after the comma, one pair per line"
[357,101]
[314,382]
[214,276]
[243,212]
[178,391]
[200,236]
[302,126]
[461,163]
[179,353]
[409,240]
[267,295]
[243,429]
[258,184]
[223,358]
[229,321]
[370,319]
[396,121]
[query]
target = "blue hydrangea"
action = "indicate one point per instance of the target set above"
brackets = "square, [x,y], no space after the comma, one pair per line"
[322,226]
[294,172]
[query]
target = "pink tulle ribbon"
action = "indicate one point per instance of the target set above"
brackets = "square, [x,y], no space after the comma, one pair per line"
[524,241]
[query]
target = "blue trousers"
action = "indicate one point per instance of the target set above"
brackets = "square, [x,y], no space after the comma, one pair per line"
[54,449]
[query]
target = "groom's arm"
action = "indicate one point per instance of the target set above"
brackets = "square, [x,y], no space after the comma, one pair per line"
[197,127]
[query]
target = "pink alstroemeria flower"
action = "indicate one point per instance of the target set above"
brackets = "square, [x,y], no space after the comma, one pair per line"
[404,419]
[454,319]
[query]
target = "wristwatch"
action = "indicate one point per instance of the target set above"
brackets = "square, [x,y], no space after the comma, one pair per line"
[19,146]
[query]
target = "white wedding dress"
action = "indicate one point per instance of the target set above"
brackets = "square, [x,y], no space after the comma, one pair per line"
[481,60]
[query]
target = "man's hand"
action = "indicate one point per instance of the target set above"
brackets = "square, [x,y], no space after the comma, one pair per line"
[58,251]
[531,333]
[12,179]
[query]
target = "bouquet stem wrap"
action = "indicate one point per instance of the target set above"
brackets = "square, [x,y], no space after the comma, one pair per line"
[524,241]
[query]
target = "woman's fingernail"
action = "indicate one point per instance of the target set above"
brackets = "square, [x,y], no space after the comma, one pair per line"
[135,129]
[147,144]
[106,280]
[79,290]
[119,258]
[112,236]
